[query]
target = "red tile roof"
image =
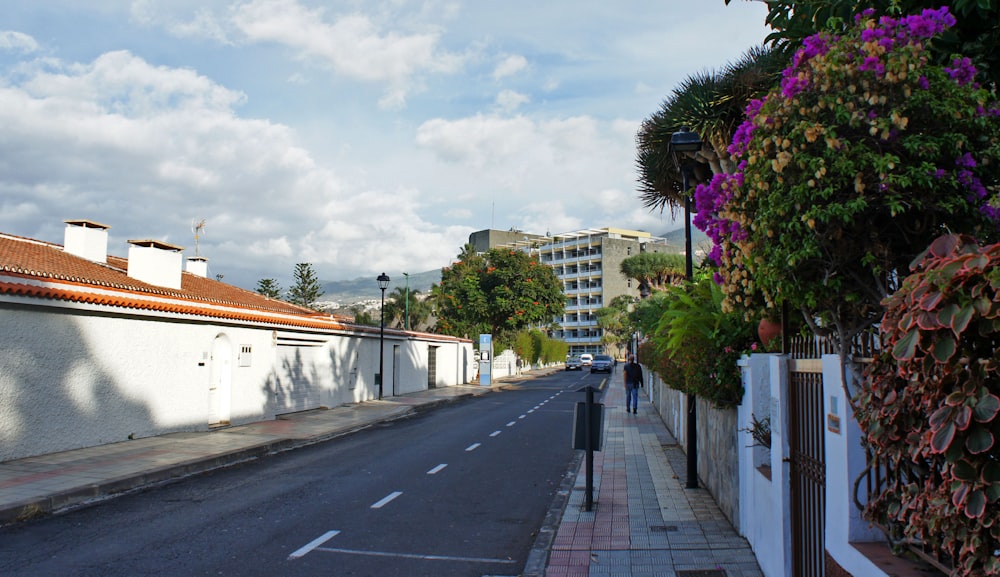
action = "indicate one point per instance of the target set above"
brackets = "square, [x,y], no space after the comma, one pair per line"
[44,270]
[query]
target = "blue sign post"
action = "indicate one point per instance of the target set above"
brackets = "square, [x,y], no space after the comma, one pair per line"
[485,359]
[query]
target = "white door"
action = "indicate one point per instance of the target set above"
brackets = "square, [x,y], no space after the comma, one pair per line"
[220,382]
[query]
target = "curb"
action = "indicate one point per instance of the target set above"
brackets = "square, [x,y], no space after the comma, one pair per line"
[538,557]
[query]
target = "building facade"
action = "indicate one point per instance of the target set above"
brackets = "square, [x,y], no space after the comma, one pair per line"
[99,349]
[588,263]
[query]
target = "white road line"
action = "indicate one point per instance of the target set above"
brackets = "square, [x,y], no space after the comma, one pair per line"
[494,433]
[473,447]
[385,501]
[531,411]
[522,416]
[417,556]
[313,544]
[437,469]
[512,423]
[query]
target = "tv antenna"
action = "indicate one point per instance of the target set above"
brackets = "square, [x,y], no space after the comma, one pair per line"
[198,228]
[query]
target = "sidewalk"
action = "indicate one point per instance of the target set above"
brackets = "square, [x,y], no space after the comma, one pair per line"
[46,483]
[644,522]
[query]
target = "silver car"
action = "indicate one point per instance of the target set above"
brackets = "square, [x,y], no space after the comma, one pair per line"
[574,364]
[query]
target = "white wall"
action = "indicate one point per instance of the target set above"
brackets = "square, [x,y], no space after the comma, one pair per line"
[845,460]
[765,507]
[70,380]
[77,376]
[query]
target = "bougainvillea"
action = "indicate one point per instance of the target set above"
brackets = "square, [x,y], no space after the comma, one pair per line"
[864,154]
[931,408]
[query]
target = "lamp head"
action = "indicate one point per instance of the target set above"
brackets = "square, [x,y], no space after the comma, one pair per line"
[383,281]
[685,141]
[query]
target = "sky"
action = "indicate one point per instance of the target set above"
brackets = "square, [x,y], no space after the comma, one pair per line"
[358,136]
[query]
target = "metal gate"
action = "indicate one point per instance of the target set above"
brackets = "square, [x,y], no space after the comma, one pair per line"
[808,467]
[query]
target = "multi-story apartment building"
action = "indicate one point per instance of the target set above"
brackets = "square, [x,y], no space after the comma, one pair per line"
[588,263]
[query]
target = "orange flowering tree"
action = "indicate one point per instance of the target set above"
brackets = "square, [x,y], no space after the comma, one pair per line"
[500,292]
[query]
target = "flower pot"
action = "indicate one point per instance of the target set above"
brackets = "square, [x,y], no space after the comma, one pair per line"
[768,330]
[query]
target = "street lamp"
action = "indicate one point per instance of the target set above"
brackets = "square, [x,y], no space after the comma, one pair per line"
[406,322]
[684,143]
[383,283]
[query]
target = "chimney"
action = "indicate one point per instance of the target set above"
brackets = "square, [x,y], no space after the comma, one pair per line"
[197,265]
[86,239]
[155,262]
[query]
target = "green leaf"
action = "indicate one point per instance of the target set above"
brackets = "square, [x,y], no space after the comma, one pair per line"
[979,440]
[975,505]
[941,416]
[947,314]
[991,472]
[944,348]
[964,471]
[962,318]
[943,437]
[906,346]
[987,408]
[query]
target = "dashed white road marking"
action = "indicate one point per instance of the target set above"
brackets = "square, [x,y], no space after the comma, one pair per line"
[473,447]
[437,469]
[313,544]
[385,500]
[494,433]
[512,423]
[522,416]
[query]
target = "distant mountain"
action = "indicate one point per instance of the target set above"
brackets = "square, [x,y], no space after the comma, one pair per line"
[364,288]
[675,238]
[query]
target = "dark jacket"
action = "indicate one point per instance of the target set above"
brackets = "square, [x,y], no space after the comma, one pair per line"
[633,375]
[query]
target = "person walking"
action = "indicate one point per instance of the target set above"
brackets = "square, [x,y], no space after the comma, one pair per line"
[633,381]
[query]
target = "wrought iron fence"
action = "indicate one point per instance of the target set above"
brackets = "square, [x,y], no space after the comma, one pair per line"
[863,346]
[881,474]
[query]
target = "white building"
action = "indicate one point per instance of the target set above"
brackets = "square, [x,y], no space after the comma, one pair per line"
[588,263]
[99,349]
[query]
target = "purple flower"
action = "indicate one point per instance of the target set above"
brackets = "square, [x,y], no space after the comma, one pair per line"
[962,71]
[873,63]
[923,83]
[966,160]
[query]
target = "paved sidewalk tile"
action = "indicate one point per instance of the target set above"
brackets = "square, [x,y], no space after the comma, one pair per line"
[643,522]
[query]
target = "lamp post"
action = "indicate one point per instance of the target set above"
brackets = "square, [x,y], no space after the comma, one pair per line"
[686,142]
[406,316]
[383,283]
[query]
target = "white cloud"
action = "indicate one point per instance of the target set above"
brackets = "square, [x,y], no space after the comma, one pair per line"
[509,66]
[17,42]
[509,100]
[147,148]
[351,44]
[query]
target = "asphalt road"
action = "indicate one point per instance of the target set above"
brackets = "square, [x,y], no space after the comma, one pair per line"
[457,491]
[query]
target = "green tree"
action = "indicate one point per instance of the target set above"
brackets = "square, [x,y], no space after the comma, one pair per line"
[710,104]
[616,323]
[499,292]
[306,290]
[976,33]
[269,287]
[856,162]
[654,270]
[364,317]
[526,346]
[396,308]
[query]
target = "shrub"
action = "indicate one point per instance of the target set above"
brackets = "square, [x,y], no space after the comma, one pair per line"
[932,403]
[864,152]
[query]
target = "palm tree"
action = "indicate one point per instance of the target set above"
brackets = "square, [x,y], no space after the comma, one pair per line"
[711,104]
[655,270]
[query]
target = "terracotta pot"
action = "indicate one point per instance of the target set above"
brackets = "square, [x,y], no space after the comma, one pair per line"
[768,330]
